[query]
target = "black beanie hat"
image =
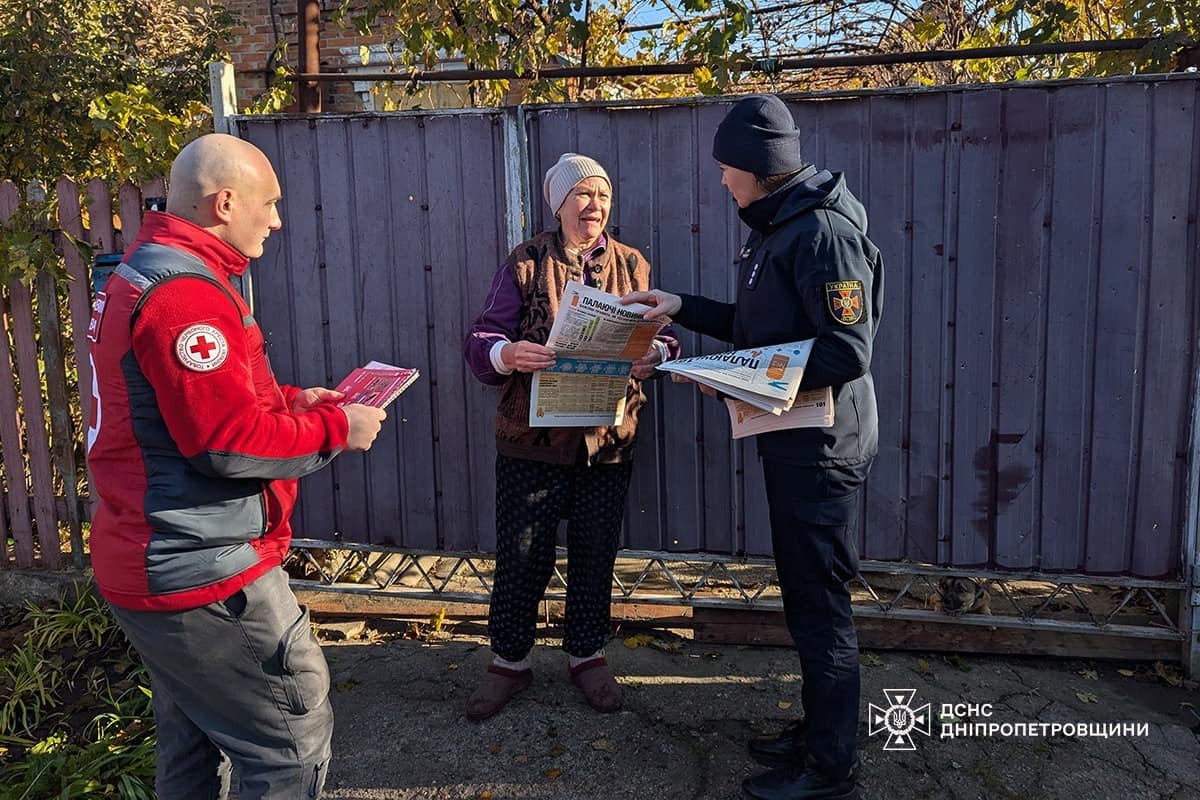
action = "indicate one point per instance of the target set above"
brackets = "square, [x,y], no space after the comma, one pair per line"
[759,135]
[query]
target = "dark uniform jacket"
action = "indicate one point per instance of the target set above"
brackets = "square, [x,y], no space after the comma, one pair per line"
[808,271]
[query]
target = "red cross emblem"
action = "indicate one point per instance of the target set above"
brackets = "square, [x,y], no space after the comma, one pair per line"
[201,348]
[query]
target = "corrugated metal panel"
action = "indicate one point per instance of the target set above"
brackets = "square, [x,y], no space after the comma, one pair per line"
[1033,366]
[393,227]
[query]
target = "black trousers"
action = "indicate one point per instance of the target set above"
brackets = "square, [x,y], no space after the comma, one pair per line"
[814,512]
[531,498]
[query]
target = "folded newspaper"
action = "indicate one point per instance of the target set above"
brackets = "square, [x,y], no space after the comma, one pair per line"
[596,340]
[812,409]
[763,384]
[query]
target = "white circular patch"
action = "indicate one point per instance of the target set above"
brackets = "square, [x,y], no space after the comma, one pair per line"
[201,348]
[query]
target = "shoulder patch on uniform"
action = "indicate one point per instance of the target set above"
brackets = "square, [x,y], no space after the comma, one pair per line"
[845,301]
[93,332]
[201,348]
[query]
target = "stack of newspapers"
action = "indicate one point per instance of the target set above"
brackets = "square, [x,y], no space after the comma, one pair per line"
[762,387]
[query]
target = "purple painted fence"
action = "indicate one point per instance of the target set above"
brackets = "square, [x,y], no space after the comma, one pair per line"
[1035,366]
[45,355]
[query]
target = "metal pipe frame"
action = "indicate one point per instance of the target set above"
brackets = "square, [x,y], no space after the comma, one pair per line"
[763,65]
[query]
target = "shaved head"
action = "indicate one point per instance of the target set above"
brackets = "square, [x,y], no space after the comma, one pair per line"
[228,187]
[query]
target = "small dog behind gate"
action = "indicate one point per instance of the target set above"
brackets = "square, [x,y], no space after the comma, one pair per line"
[961,596]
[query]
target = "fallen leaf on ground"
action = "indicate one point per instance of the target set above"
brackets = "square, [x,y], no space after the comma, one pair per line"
[637,640]
[1168,675]
[484,795]
[956,661]
[1087,697]
[1089,674]
[605,745]
[784,705]
[1128,673]
[552,773]
[557,751]
[922,666]
[452,666]
[870,660]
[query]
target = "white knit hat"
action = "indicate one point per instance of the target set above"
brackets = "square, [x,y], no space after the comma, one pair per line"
[570,169]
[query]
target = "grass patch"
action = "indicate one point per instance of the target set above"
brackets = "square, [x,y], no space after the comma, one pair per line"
[75,716]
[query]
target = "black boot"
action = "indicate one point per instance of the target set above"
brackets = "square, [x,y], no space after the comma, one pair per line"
[801,782]
[783,749]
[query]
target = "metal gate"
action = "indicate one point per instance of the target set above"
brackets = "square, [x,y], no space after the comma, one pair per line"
[1036,365]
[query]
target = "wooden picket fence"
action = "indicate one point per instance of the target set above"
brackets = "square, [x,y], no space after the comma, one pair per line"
[46,503]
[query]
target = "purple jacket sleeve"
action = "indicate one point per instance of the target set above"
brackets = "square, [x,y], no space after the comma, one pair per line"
[496,323]
[668,337]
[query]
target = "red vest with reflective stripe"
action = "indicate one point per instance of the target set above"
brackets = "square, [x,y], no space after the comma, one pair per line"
[193,450]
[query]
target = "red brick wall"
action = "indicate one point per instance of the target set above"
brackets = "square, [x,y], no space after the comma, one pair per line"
[253,40]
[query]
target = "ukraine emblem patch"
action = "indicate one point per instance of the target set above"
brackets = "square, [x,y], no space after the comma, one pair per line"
[845,301]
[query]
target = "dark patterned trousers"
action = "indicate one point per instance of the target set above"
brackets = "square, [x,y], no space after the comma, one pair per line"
[531,498]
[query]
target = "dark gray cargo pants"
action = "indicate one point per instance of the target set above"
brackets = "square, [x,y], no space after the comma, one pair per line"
[242,680]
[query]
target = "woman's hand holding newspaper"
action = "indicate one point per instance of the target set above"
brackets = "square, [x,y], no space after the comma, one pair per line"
[708,390]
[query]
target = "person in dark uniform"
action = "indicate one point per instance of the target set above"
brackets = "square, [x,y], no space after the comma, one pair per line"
[807,271]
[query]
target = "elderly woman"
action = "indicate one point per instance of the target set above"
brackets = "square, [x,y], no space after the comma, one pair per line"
[547,474]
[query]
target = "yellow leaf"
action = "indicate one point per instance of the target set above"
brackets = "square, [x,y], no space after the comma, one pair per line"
[484,795]
[637,640]
[784,705]
[438,619]
[552,773]
[922,666]
[1087,697]
[1128,673]
[452,666]
[605,745]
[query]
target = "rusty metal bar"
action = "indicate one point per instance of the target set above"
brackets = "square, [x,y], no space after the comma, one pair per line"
[308,32]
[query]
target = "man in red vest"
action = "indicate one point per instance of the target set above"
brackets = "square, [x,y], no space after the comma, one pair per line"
[195,450]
